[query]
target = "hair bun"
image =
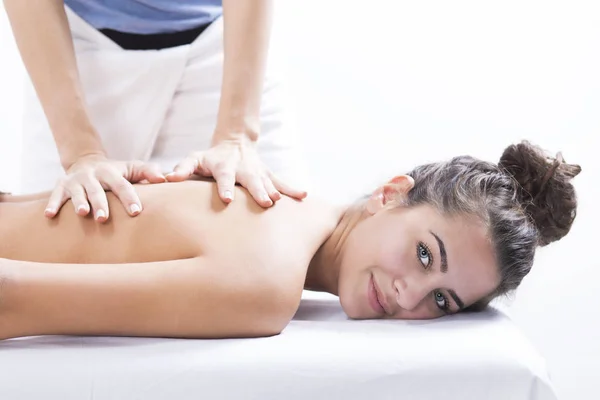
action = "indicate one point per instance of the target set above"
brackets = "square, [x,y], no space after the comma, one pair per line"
[544,188]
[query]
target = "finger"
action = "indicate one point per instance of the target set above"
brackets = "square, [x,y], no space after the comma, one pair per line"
[139,171]
[183,170]
[124,191]
[57,199]
[270,188]
[225,185]
[153,174]
[257,189]
[286,189]
[78,198]
[97,198]
[203,170]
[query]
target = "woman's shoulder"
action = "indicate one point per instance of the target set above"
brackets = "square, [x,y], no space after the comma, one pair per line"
[199,198]
[201,191]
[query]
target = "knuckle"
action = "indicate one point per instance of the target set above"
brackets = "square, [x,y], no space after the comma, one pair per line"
[224,174]
[88,176]
[105,169]
[58,190]
[271,176]
[266,179]
[256,187]
[248,176]
[73,187]
[71,178]
[94,191]
[121,185]
[102,170]
[221,165]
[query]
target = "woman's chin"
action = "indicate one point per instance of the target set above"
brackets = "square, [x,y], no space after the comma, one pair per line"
[351,309]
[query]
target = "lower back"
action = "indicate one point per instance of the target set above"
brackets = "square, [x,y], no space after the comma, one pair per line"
[154,235]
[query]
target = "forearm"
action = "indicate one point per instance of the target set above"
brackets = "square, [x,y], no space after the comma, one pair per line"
[182,298]
[247,29]
[42,35]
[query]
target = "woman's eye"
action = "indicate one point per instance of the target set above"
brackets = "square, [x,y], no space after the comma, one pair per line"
[441,301]
[424,255]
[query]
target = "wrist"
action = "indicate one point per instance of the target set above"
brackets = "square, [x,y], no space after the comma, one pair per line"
[81,147]
[244,129]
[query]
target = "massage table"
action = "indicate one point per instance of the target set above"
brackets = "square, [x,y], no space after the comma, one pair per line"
[320,355]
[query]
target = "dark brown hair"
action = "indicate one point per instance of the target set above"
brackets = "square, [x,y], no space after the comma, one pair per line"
[526,200]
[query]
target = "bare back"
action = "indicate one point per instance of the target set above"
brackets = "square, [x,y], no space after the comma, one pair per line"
[179,220]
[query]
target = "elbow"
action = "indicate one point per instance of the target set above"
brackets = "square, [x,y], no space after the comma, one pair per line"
[279,305]
[275,322]
[273,328]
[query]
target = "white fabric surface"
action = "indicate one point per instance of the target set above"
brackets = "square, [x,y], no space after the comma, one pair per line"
[157,106]
[321,355]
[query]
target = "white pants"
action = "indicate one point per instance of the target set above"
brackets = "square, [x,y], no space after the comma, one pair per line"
[155,106]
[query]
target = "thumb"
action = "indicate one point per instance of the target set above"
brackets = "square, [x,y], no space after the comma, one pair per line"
[183,170]
[153,174]
[136,171]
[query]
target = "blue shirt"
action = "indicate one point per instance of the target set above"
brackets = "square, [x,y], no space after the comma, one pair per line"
[147,16]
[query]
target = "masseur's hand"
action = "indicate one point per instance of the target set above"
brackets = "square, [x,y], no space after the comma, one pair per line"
[235,161]
[89,177]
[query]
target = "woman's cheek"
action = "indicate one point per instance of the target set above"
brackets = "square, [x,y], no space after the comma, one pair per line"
[395,249]
[394,259]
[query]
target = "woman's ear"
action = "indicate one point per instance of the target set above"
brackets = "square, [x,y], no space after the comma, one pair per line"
[403,183]
[395,189]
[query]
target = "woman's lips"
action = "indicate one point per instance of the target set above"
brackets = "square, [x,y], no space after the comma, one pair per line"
[373,297]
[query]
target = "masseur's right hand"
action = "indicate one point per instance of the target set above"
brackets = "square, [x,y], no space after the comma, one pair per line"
[87,180]
[46,48]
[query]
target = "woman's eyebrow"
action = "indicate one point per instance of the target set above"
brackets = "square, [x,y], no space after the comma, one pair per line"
[457,299]
[443,256]
[444,269]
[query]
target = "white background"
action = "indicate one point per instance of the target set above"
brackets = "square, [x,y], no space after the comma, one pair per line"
[381,86]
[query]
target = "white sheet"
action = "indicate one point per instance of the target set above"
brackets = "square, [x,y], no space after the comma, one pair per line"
[321,355]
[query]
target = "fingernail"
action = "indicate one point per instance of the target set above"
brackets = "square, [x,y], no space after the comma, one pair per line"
[227,195]
[100,214]
[266,199]
[169,174]
[49,210]
[134,208]
[81,209]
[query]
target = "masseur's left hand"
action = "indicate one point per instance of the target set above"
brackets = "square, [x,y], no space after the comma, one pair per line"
[232,157]
[231,161]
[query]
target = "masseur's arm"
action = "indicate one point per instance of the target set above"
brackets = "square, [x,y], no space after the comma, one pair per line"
[247,30]
[189,298]
[233,157]
[42,34]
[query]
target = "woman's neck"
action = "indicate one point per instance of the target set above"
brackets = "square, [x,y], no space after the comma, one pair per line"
[324,268]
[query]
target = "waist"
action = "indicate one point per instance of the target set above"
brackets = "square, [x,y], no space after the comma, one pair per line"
[154,41]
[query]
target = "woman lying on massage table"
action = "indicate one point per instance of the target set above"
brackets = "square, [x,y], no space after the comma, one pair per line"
[445,237]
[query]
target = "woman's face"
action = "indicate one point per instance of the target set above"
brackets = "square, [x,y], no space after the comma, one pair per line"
[413,263]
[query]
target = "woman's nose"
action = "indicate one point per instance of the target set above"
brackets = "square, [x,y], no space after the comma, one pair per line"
[409,294]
